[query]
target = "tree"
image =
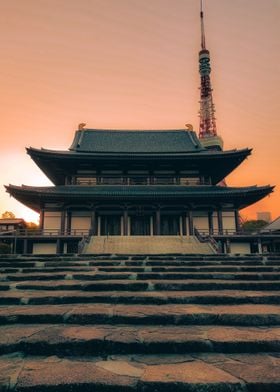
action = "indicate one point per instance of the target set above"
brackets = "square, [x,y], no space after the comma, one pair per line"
[251,226]
[8,215]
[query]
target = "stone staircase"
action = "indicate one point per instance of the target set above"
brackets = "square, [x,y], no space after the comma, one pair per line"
[148,244]
[140,323]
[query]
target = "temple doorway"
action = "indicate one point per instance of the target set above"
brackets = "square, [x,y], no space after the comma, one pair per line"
[110,225]
[140,225]
[169,225]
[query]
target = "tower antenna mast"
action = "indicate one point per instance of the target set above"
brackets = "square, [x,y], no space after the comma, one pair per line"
[207,124]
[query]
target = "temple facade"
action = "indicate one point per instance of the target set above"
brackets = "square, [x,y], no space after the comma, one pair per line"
[113,183]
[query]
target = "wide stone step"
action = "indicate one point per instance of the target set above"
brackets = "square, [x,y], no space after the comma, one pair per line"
[93,275]
[106,340]
[242,315]
[141,277]
[148,285]
[169,269]
[229,261]
[142,269]
[141,373]
[147,297]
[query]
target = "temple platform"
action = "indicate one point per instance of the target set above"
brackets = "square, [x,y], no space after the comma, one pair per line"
[146,245]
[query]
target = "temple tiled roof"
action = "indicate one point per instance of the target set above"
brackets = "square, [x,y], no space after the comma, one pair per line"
[215,164]
[151,142]
[243,196]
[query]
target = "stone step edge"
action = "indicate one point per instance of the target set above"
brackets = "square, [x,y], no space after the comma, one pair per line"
[117,297]
[236,373]
[102,340]
[238,315]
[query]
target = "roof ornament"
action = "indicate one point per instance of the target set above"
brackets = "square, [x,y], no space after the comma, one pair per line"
[81,126]
[189,127]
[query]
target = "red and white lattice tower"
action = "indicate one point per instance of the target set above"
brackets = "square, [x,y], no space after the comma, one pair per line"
[207,124]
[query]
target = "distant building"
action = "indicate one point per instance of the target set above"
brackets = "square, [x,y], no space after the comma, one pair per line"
[264,215]
[12,224]
[273,227]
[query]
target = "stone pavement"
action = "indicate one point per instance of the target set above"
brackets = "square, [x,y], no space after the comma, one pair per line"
[140,323]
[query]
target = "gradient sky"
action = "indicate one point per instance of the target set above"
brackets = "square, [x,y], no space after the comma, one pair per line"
[133,64]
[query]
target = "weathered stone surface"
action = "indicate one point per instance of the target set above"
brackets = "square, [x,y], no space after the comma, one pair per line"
[190,376]
[141,324]
[10,368]
[105,340]
[58,374]
[254,315]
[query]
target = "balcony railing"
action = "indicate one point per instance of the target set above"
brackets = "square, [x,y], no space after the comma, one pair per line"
[46,232]
[140,180]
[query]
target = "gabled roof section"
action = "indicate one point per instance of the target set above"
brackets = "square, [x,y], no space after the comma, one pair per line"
[150,142]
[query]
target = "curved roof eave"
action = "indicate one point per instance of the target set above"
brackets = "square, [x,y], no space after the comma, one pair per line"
[34,196]
[43,152]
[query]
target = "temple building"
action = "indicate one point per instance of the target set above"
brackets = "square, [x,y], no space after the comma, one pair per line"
[112,184]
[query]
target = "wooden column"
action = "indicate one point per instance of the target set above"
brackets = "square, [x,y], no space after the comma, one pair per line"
[62,222]
[69,216]
[151,225]
[58,246]
[158,222]
[260,246]
[184,224]
[25,246]
[125,222]
[210,222]
[220,221]
[228,245]
[236,218]
[190,219]
[42,218]
[93,223]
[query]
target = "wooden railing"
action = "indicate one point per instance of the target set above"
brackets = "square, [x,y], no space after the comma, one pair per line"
[140,180]
[207,238]
[46,232]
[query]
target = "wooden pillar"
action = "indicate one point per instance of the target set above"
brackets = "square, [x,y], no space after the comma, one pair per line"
[190,219]
[220,221]
[237,222]
[260,246]
[158,221]
[42,218]
[25,246]
[93,223]
[125,222]
[181,225]
[99,225]
[210,222]
[62,222]
[58,246]
[184,224]
[151,225]
[228,246]
[69,218]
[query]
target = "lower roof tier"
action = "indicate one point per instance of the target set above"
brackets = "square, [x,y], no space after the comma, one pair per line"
[196,196]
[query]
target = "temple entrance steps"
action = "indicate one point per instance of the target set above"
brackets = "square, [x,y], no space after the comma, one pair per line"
[140,323]
[146,245]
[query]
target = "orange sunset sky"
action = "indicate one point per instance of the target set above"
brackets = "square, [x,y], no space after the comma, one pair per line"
[133,64]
